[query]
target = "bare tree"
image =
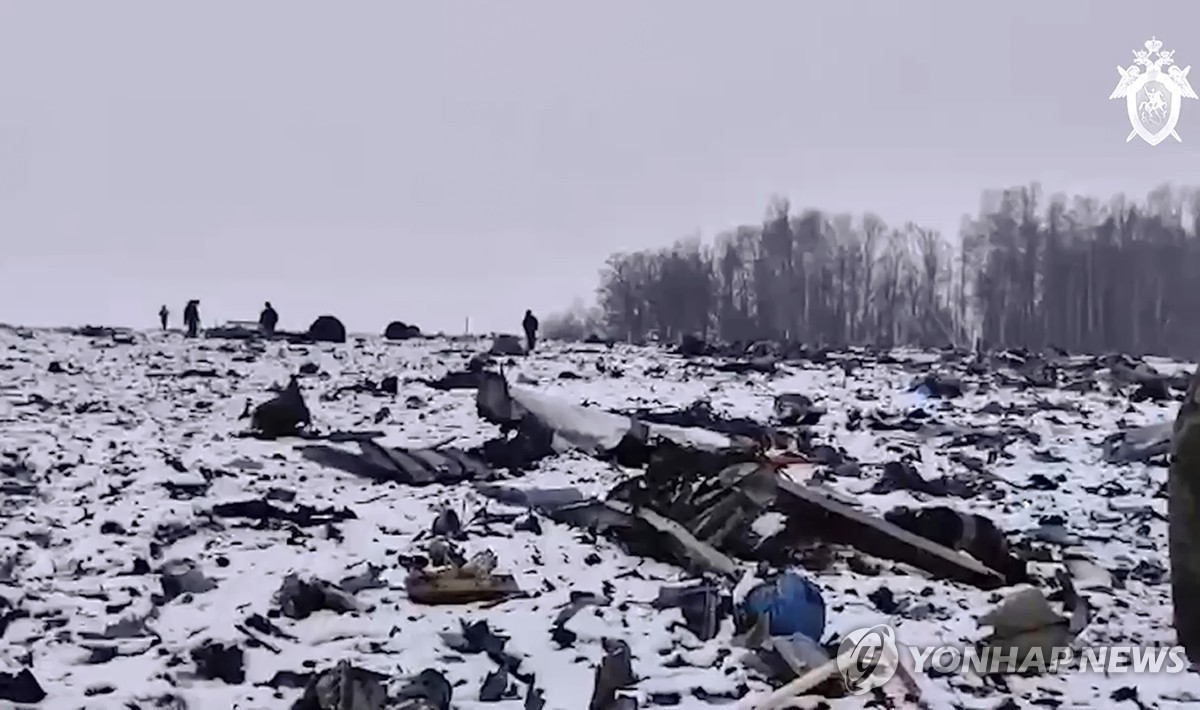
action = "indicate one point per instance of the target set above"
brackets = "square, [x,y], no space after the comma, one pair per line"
[1077,273]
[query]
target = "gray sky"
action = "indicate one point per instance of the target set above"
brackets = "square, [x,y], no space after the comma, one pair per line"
[429,161]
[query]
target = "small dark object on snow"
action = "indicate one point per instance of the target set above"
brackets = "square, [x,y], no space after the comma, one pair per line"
[495,686]
[797,409]
[304,516]
[183,577]
[21,687]
[903,476]
[327,329]
[477,637]
[506,345]
[534,699]
[345,687]
[428,691]
[528,523]
[764,365]
[447,524]
[218,661]
[694,346]
[1152,391]
[939,386]
[1128,693]
[614,672]
[390,385]
[299,599]
[289,679]
[286,414]
[399,330]
[702,605]
[532,442]
[884,600]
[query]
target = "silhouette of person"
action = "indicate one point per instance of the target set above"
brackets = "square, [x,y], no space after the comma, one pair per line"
[268,320]
[163,314]
[191,317]
[530,324]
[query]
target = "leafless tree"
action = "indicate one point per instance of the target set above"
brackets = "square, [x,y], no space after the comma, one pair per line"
[1026,271]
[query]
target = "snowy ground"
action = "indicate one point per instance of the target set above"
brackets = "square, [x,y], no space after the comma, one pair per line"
[86,452]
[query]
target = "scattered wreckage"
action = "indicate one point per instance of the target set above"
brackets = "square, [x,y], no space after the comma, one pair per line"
[737,501]
[696,504]
[706,485]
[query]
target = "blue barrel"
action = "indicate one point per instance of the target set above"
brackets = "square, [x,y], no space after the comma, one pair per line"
[794,603]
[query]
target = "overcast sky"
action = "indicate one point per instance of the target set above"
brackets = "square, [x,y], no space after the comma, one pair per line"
[430,161]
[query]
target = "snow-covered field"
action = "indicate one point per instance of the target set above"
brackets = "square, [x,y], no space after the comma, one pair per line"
[97,453]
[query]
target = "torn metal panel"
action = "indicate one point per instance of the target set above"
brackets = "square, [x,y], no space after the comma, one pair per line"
[700,553]
[414,467]
[704,501]
[591,430]
[627,522]
[1138,444]
[878,537]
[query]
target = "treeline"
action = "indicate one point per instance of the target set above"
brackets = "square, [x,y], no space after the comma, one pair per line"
[1075,273]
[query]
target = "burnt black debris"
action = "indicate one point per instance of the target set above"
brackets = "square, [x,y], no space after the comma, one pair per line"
[701,415]
[327,329]
[183,576]
[414,467]
[399,330]
[694,346]
[938,385]
[971,533]
[21,687]
[263,512]
[299,598]
[347,687]
[509,345]
[429,690]
[717,496]
[903,475]
[614,673]
[286,414]
[794,409]
[704,606]
[220,661]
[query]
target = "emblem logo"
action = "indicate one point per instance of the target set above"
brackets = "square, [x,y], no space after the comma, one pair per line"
[1153,88]
[867,658]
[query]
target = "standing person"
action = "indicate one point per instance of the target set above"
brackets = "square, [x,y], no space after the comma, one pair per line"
[191,317]
[268,320]
[163,314]
[530,324]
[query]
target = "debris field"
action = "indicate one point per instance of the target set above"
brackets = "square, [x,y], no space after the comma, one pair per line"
[435,523]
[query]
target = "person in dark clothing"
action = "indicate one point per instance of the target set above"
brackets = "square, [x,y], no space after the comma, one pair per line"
[163,314]
[268,320]
[530,324]
[191,317]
